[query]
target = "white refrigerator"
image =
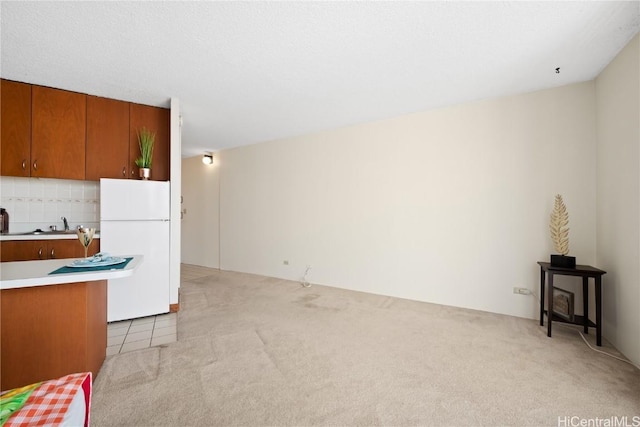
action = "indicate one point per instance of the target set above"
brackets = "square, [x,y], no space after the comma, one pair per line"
[135,220]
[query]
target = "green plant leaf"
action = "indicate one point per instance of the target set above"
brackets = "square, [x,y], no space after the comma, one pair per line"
[146,139]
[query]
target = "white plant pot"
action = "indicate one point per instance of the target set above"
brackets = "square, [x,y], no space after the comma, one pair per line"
[145,173]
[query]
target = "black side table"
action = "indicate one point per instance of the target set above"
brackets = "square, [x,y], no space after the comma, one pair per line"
[586,272]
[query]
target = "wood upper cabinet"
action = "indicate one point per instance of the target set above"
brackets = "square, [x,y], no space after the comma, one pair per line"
[15,102]
[107,154]
[156,120]
[54,133]
[58,128]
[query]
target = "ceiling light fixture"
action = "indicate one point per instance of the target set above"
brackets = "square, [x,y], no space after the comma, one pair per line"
[207,159]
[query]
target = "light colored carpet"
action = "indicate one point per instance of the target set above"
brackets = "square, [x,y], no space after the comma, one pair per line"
[258,351]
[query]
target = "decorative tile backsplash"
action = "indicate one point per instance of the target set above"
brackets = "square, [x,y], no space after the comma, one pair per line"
[41,202]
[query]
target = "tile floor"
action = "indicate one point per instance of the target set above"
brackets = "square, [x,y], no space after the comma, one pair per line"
[136,334]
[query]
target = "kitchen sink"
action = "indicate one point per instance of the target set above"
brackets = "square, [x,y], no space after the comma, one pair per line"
[39,232]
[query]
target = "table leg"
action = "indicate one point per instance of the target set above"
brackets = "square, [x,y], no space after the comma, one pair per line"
[599,310]
[542,274]
[585,303]
[550,304]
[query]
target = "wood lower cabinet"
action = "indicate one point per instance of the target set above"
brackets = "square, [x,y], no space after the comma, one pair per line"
[15,122]
[22,250]
[59,249]
[156,120]
[58,127]
[107,153]
[31,250]
[51,331]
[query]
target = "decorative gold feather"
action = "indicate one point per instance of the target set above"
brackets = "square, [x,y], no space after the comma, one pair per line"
[558,226]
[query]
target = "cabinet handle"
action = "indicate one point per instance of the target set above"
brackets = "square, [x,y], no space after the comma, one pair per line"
[132,172]
[35,164]
[24,165]
[40,253]
[53,253]
[124,171]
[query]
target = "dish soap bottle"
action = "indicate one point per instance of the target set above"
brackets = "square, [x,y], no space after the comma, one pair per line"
[4,224]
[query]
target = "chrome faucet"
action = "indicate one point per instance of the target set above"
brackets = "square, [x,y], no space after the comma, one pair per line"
[66,224]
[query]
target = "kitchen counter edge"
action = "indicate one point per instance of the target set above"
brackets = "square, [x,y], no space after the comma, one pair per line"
[18,236]
[24,274]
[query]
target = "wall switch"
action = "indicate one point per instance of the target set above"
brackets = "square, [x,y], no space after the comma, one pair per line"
[285,262]
[521,291]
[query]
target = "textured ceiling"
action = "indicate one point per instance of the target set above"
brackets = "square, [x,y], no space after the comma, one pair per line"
[247,72]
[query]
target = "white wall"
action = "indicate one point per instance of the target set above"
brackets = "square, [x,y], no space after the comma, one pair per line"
[618,198]
[200,224]
[449,206]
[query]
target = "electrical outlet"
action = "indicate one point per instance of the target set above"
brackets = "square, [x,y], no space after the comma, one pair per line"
[285,262]
[521,291]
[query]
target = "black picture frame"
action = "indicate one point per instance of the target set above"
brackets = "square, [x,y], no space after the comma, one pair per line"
[563,304]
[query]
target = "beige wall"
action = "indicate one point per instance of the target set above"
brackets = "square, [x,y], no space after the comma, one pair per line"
[199,238]
[448,206]
[618,198]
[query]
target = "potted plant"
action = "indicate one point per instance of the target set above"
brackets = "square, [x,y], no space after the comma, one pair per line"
[560,235]
[146,138]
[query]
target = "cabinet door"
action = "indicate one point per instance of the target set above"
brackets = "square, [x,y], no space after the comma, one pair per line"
[50,331]
[58,133]
[107,153]
[59,249]
[15,103]
[23,250]
[156,120]
[70,248]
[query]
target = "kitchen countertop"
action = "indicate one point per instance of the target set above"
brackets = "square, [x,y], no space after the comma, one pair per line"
[44,236]
[22,274]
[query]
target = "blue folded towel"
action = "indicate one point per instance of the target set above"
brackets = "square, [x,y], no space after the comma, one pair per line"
[100,256]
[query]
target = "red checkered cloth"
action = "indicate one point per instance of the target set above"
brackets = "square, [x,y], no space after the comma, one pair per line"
[49,403]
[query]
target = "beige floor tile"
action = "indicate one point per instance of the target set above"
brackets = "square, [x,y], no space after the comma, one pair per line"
[169,330]
[113,349]
[142,320]
[114,332]
[137,345]
[119,324]
[164,339]
[129,335]
[138,336]
[141,327]
[165,323]
[167,318]
[117,340]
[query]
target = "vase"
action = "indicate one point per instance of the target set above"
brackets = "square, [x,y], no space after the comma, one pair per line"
[145,173]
